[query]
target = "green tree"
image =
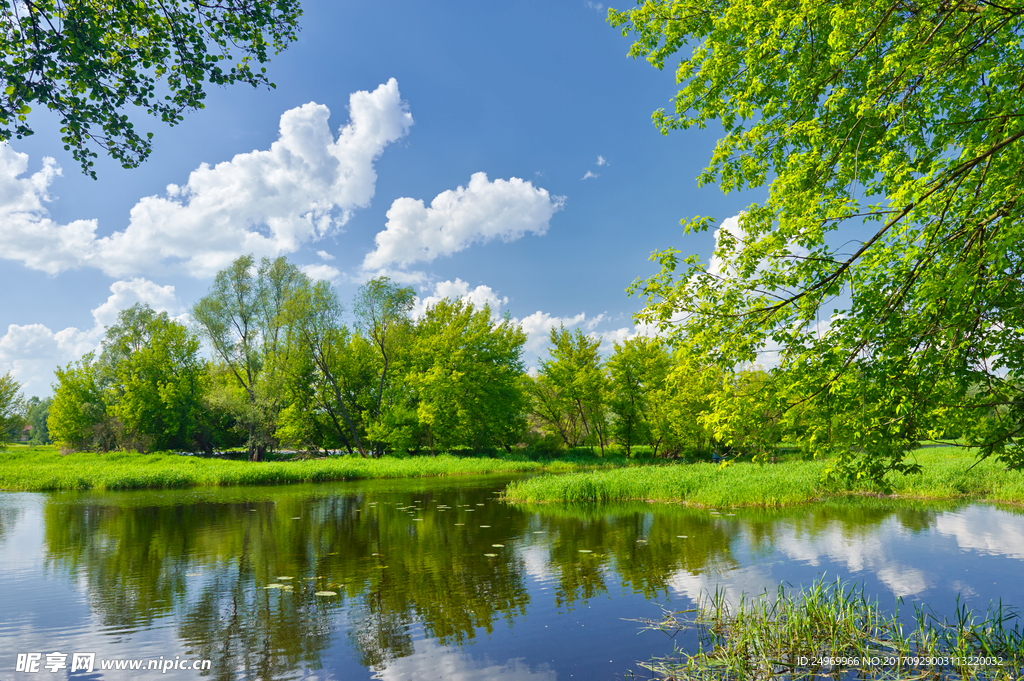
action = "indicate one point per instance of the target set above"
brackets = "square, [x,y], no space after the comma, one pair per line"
[37,411]
[891,138]
[383,310]
[12,407]
[155,378]
[243,317]
[467,372]
[636,370]
[679,407]
[323,376]
[78,416]
[570,390]
[87,61]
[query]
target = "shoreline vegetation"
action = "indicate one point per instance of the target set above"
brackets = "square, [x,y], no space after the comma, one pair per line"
[45,469]
[948,473]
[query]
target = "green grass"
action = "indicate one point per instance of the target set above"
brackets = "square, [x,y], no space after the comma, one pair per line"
[46,469]
[784,637]
[948,473]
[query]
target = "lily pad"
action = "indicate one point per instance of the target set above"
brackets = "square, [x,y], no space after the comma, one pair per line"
[274,586]
[491,555]
[682,536]
[585,551]
[498,546]
[485,526]
[326,593]
[282,579]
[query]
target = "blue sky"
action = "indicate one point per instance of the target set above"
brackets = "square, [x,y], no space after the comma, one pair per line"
[502,151]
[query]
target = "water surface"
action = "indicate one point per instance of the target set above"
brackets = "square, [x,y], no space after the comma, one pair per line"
[441,580]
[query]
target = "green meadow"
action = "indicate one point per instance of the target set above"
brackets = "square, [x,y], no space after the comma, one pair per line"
[948,473]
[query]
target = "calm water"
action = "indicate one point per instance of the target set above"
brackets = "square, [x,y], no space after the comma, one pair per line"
[184,574]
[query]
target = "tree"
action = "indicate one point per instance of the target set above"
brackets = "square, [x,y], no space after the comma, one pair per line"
[320,370]
[11,408]
[891,137]
[569,392]
[86,61]
[467,372]
[37,411]
[382,310]
[636,370]
[78,416]
[155,379]
[243,317]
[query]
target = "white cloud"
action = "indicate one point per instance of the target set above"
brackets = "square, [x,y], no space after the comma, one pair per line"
[321,271]
[264,202]
[456,219]
[589,175]
[601,161]
[459,290]
[31,352]
[324,255]
[596,6]
[538,328]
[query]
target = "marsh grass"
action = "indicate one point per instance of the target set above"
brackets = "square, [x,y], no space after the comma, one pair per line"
[40,469]
[787,637]
[948,473]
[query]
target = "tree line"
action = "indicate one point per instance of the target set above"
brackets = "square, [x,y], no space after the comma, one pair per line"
[284,370]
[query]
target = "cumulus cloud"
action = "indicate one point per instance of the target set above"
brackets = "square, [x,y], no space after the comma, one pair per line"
[477,213]
[321,271]
[266,202]
[459,290]
[324,255]
[538,328]
[32,351]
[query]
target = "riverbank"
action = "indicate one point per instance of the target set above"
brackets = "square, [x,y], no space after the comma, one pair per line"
[44,469]
[948,473]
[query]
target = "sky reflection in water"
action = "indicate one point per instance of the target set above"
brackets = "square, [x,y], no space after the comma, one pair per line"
[184,573]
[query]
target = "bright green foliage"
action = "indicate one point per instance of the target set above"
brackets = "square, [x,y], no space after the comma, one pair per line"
[78,416]
[86,61]
[11,408]
[467,373]
[383,310]
[323,374]
[569,392]
[745,414]
[155,380]
[637,370]
[899,124]
[37,411]
[244,318]
[680,406]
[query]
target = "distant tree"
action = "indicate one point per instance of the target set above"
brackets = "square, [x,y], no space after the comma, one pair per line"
[36,413]
[78,415]
[155,378]
[87,61]
[382,309]
[467,371]
[243,317]
[636,370]
[569,393]
[12,408]
[323,374]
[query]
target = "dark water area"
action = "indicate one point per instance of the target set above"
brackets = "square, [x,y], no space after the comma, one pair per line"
[439,579]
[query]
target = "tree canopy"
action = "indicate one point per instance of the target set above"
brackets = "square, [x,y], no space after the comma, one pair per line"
[885,263]
[88,60]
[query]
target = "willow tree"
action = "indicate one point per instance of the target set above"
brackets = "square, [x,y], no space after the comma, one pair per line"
[889,136]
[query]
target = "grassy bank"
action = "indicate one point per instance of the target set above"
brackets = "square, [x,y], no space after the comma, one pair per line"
[45,469]
[834,631]
[948,474]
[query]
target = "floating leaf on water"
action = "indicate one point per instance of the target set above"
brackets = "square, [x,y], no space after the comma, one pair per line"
[681,536]
[376,554]
[730,514]
[539,532]
[491,555]
[193,574]
[326,593]
[498,546]
[479,504]
[470,510]
[298,517]
[585,551]
[417,519]
[274,586]
[459,524]
[281,579]
[641,541]
[485,526]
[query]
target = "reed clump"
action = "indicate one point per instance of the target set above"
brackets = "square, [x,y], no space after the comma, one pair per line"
[832,630]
